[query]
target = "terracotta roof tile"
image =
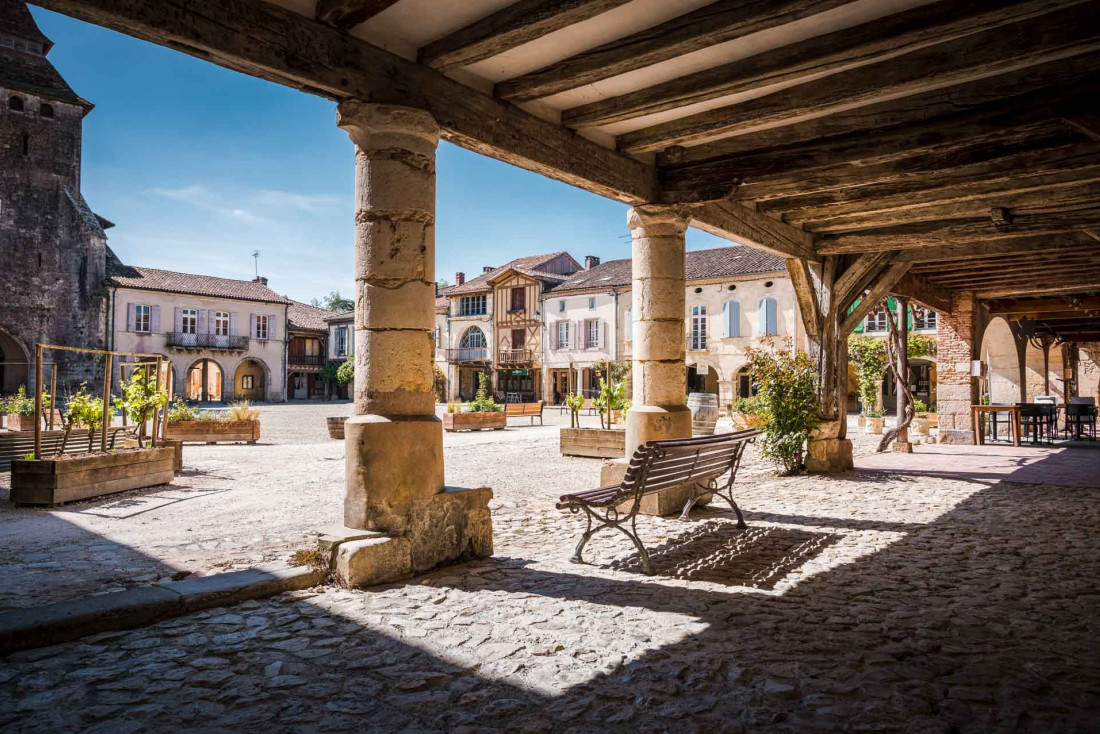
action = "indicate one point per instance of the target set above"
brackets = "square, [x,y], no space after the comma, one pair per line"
[151,279]
[304,316]
[720,262]
[528,265]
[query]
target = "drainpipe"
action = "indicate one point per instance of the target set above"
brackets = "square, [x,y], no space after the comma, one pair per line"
[286,348]
[615,326]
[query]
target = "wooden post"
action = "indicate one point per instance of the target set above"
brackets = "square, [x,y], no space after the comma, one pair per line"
[168,383]
[53,392]
[106,403]
[155,418]
[903,373]
[37,401]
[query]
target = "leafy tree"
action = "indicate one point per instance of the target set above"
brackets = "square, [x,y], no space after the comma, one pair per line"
[334,302]
[868,355]
[788,401]
[86,411]
[140,400]
[439,383]
[345,373]
[575,402]
[483,402]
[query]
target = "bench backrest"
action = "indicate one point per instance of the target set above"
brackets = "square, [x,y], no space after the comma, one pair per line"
[658,465]
[523,408]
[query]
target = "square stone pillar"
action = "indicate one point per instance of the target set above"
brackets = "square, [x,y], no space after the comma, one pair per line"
[956,390]
[659,410]
[394,441]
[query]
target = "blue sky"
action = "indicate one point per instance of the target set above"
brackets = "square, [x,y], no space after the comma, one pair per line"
[198,166]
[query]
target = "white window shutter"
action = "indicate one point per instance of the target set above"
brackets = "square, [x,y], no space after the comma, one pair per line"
[154,320]
[252,325]
[131,316]
[602,326]
[177,320]
[273,326]
[554,337]
[232,323]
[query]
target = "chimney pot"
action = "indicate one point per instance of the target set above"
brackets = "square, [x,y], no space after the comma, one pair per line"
[487,268]
[591,261]
[460,278]
[262,280]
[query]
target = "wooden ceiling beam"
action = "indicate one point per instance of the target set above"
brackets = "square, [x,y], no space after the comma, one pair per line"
[346,14]
[1004,274]
[909,236]
[738,223]
[883,285]
[984,266]
[508,28]
[718,22]
[1087,123]
[920,291]
[266,41]
[1086,286]
[1059,35]
[949,253]
[858,277]
[979,263]
[1040,306]
[872,41]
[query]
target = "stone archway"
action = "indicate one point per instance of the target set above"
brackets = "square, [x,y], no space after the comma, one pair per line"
[13,375]
[702,376]
[998,353]
[204,380]
[251,380]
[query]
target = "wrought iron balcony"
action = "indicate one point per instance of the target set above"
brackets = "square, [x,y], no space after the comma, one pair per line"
[515,356]
[468,354]
[696,343]
[306,360]
[206,341]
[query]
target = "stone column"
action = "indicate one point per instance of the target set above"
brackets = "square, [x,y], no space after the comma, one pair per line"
[659,409]
[394,439]
[956,390]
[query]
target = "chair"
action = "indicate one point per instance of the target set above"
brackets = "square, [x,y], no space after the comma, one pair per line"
[1080,417]
[1037,421]
[993,420]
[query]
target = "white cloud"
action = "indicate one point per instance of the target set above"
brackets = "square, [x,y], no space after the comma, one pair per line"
[303,202]
[199,196]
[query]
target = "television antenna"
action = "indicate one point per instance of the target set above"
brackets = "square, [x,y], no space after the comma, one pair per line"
[256,257]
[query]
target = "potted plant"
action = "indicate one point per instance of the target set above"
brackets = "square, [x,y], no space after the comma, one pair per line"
[788,401]
[240,423]
[868,356]
[595,443]
[611,403]
[343,374]
[875,421]
[60,478]
[19,409]
[746,413]
[919,423]
[481,413]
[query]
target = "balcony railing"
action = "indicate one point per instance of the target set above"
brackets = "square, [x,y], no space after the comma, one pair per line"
[307,360]
[515,356]
[206,341]
[468,354]
[697,343]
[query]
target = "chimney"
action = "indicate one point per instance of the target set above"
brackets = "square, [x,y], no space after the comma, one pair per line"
[591,261]
[460,278]
[260,279]
[487,268]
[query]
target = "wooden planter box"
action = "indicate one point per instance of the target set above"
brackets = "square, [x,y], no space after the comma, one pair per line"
[26,422]
[474,421]
[56,481]
[597,443]
[336,426]
[874,425]
[213,431]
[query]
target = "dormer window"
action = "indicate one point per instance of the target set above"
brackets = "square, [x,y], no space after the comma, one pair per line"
[45,110]
[15,104]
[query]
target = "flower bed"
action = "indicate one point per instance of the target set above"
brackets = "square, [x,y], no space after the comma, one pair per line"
[57,480]
[473,421]
[213,431]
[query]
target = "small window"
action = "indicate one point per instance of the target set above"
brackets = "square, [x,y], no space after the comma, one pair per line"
[592,334]
[45,110]
[697,340]
[341,341]
[924,319]
[261,327]
[731,287]
[472,306]
[189,321]
[142,319]
[876,321]
[561,306]
[768,284]
[247,382]
[519,300]
[15,104]
[563,334]
[698,290]
[221,323]
[591,304]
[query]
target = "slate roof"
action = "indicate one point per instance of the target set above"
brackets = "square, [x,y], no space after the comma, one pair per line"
[151,279]
[720,262]
[528,265]
[95,223]
[306,317]
[29,72]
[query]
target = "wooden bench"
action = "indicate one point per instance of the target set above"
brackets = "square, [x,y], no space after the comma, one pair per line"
[656,466]
[522,410]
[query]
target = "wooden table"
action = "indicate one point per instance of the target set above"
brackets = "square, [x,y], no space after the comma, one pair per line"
[1013,417]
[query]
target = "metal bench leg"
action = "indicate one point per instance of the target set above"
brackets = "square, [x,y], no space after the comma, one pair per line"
[684,515]
[643,556]
[588,533]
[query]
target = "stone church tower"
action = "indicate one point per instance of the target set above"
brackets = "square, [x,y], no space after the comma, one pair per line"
[52,246]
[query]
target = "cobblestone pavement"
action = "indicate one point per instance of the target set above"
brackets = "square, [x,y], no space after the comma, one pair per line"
[867,602]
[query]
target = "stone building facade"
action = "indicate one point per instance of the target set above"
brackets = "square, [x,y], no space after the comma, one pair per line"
[53,247]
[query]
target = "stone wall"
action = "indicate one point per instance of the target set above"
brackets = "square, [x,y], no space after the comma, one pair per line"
[955,387]
[52,248]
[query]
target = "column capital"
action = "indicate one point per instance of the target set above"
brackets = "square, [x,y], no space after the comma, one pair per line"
[373,126]
[658,219]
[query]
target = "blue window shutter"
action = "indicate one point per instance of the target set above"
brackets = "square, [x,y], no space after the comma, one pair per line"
[773,327]
[763,317]
[731,317]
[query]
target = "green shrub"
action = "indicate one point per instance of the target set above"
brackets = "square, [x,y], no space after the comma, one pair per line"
[872,414]
[85,410]
[574,402]
[751,405]
[868,356]
[345,373]
[22,404]
[179,410]
[789,403]
[483,402]
[919,406]
[140,400]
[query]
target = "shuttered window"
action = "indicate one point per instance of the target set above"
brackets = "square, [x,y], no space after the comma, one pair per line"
[769,320]
[731,319]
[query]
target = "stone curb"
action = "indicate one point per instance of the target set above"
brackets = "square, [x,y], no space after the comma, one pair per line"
[51,624]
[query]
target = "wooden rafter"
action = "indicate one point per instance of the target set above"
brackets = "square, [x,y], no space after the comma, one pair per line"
[739,223]
[881,38]
[718,22]
[1035,307]
[1088,283]
[511,26]
[1069,32]
[920,291]
[967,252]
[349,13]
[858,276]
[882,286]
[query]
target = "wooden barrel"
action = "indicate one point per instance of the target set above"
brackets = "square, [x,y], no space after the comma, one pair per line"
[336,426]
[704,413]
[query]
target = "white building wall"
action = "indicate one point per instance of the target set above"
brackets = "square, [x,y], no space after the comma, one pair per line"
[269,353]
[452,327]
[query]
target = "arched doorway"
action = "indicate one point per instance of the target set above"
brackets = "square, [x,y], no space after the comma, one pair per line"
[13,375]
[922,373]
[250,380]
[745,387]
[702,378]
[1002,365]
[204,381]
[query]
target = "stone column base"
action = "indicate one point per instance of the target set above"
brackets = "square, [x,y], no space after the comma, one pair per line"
[665,502]
[902,447]
[454,525]
[828,455]
[656,423]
